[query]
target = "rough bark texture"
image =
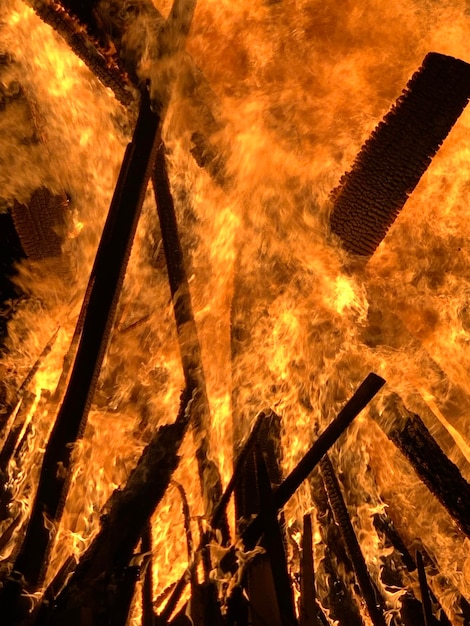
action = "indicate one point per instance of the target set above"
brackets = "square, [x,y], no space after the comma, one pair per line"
[439,474]
[375,604]
[40,222]
[92,592]
[102,63]
[336,576]
[114,251]
[190,349]
[392,161]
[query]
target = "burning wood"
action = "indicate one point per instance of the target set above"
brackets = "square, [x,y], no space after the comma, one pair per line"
[101,62]
[313,340]
[375,604]
[94,587]
[335,589]
[439,474]
[188,337]
[310,611]
[274,543]
[113,255]
[398,153]
[423,585]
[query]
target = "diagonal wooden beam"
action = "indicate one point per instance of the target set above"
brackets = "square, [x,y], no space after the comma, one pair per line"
[399,151]
[363,395]
[112,257]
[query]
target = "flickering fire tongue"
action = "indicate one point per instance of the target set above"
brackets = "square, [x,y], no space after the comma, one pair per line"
[270,103]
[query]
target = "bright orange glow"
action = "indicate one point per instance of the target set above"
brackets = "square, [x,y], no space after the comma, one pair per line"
[295,87]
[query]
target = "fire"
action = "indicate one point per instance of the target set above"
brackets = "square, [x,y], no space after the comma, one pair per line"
[294,90]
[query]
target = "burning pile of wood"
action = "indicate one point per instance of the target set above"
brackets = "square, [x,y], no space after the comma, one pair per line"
[101,587]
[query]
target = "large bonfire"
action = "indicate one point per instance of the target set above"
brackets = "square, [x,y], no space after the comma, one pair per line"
[257,114]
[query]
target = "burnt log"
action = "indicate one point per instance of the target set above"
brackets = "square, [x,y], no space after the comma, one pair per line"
[393,574]
[310,612]
[94,588]
[208,157]
[384,525]
[438,473]
[40,223]
[99,59]
[190,349]
[337,593]
[392,161]
[375,604]
[363,395]
[174,598]
[220,510]
[113,254]
[242,458]
[10,253]
[424,589]
[248,491]
[147,583]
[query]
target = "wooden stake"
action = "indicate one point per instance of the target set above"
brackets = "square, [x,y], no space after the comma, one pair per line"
[113,253]
[274,543]
[363,395]
[209,475]
[310,613]
[439,474]
[94,586]
[392,161]
[375,604]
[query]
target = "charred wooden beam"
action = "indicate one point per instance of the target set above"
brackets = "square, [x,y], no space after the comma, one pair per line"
[310,612]
[94,586]
[23,388]
[187,522]
[113,254]
[101,62]
[375,604]
[424,589]
[10,254]
[384,524]
[393,574]
[40,223]
[208,157]
[242,457]
[247,490]
[273,541]
[174,598]
[220,510]
[392,161]
[363,395]
[190,349]
[337,592]
[438,473]
[148,618]
[205,606]
[40,615]
[307,577]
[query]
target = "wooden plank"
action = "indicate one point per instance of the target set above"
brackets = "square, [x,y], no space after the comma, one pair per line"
[399,151]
